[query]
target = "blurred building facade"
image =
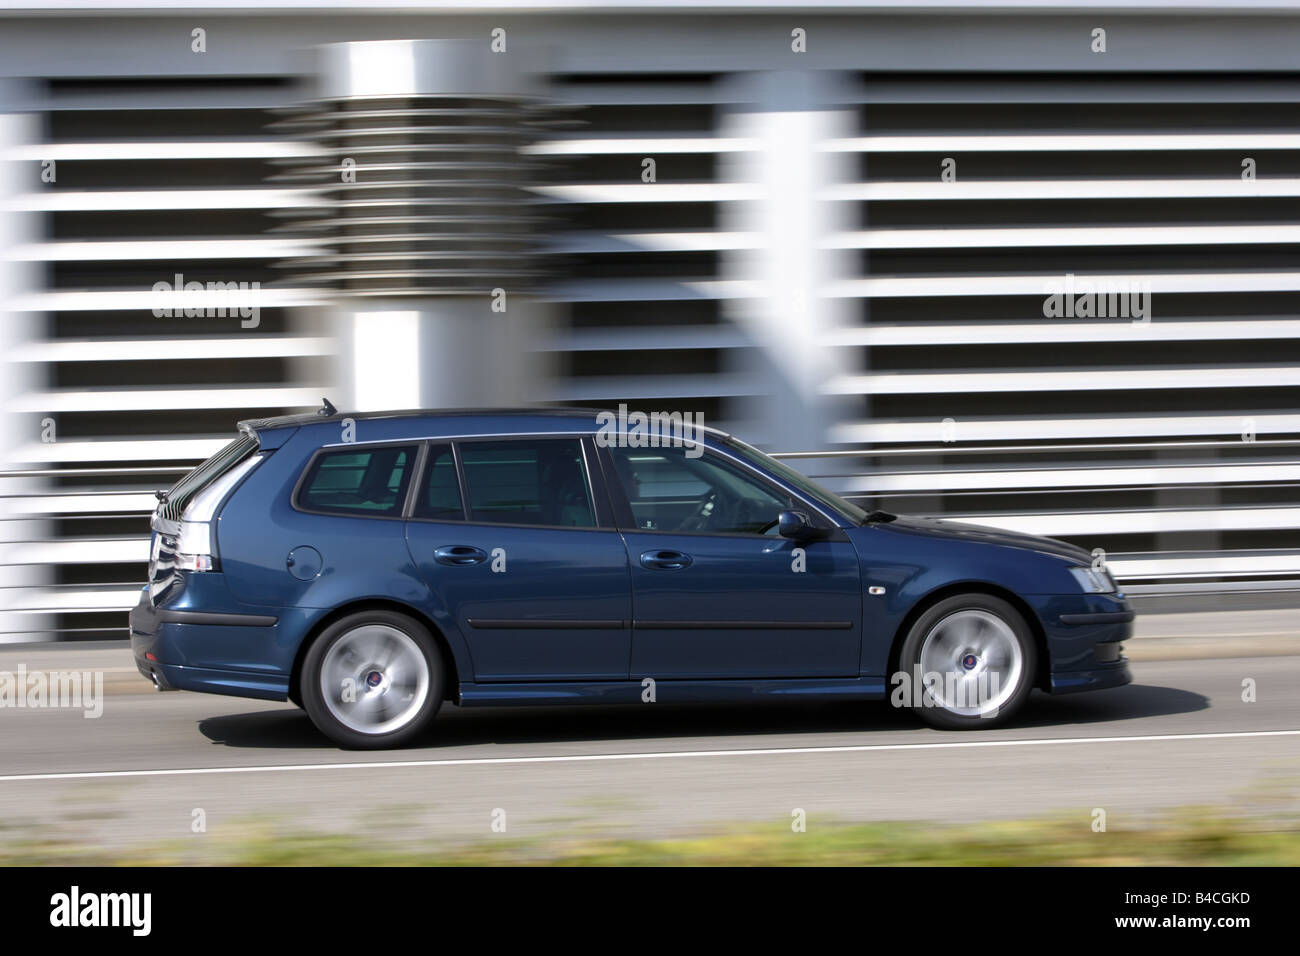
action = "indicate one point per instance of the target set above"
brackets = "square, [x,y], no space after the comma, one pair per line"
[836,231]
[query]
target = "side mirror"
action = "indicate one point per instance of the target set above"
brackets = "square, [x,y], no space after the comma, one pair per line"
[795,524]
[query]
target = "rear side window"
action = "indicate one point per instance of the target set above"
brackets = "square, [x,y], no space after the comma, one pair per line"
[533,481]
[439,496]
[369,481]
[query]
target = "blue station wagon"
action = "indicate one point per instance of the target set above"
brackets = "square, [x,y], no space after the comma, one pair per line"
[368,567]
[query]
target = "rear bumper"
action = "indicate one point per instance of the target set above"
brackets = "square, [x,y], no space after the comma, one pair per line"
[172,646]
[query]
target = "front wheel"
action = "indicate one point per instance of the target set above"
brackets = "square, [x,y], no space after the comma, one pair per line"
[968,662]
[372,679]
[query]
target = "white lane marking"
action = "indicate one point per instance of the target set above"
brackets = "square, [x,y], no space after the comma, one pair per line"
[653,755]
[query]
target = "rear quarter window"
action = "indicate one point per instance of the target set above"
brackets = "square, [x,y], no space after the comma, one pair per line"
[368,481]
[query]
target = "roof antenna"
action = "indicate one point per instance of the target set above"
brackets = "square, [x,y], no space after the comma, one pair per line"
[326,408]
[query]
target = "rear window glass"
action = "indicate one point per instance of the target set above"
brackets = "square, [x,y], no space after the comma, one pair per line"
[180,494]
[528,481]
[369,482]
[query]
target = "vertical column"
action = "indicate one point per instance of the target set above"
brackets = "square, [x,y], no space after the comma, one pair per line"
[20,432]
[425,209]
[789,116]
[436,352]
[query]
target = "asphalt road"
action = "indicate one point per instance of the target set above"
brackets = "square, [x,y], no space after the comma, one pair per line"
[1181,734]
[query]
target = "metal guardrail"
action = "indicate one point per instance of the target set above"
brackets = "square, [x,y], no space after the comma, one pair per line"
[968,449]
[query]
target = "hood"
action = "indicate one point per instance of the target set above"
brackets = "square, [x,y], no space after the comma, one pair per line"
[941,528]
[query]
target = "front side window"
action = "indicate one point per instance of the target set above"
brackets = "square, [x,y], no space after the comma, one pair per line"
[670,491]
[528,481]
[363,482]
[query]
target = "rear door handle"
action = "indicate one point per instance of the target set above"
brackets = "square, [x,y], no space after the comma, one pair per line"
[458,555]
[665,560]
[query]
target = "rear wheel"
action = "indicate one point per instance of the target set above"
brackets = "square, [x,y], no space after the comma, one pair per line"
[372,679]
[969,662]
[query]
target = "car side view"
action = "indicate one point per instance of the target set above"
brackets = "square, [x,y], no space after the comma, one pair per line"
[535,557]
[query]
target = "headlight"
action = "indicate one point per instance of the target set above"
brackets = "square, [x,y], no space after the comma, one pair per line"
[1094,581]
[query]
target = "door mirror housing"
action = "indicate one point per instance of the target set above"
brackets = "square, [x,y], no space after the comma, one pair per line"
[796,525]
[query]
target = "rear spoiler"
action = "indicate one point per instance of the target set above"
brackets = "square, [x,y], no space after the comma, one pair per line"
[271,433]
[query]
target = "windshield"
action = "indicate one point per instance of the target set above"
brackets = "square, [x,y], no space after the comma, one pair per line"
[798,480]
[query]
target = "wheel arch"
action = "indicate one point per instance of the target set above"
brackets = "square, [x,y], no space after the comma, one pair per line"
[375,604]
[1042,679]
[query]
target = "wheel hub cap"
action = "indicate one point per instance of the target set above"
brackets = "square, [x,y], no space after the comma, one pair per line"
[971,663]
[374,679]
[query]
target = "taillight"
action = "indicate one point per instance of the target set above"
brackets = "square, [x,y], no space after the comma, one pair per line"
[195,548]
[186,561]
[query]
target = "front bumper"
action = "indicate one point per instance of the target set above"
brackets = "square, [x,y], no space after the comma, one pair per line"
[1115,674]
[1085,639]
[174,649]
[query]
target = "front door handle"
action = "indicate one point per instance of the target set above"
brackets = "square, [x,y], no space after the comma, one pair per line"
[459,555]
[665,560]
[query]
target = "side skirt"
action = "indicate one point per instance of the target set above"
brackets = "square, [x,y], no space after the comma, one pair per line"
[672,691]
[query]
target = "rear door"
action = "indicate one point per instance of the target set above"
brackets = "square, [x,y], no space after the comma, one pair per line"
[519,547]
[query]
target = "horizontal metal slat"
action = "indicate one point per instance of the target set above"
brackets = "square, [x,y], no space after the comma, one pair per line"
[1091,141]
[1083,477]
[126,399]
[1040,284]
[1226,328]
[164,349]
[1095,523]
[1064,380]
[120,200]
[1016,237]
[165,149]
[1081,189]
[1046,428]
[250,247]
[117,449]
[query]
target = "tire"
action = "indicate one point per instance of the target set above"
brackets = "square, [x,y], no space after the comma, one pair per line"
[959,639]
[372,680]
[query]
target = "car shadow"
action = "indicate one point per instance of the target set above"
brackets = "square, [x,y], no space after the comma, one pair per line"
[458,727]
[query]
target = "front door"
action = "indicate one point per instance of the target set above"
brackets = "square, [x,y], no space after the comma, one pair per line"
[716,592]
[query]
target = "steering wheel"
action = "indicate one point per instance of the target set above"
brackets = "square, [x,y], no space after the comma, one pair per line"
[704,515]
